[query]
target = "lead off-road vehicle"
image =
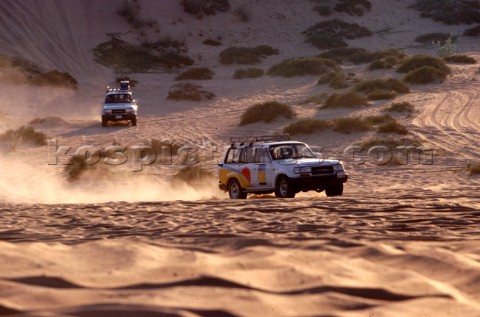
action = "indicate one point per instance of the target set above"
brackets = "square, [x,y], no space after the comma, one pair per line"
[119,105]
[274,164]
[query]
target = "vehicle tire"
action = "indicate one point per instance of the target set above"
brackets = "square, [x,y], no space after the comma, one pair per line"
[104,123]
[334,190]
[235,191]
[284,188]
[134,122]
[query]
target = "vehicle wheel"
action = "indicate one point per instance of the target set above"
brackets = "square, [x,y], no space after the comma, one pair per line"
[134,122]
[104,123]
[334,191]
[235,191]
[284,188]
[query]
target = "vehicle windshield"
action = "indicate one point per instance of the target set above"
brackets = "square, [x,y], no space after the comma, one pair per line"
[118,98]
[291,151]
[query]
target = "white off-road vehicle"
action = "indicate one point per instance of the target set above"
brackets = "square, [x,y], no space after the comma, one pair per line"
[274,164]
[119,105]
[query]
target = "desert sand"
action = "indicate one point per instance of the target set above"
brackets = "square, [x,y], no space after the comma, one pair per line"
[403,240]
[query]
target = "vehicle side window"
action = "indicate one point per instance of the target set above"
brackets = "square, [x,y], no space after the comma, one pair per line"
[233,156]
[249,154]
[262,156]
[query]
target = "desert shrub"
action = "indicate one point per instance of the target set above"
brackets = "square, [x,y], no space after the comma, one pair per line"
[77,164]
[425,75]
[316,99]
[379,119]
[432,37]
[266,112]
[323,10]
[371,56]
[460,59]
[445,48]
[473,168]
[187,91]
[347,100]
[381,95]
[400,107]
[353,7]
[55,78]
[449,11]
[390,142]
[197,73]
[24,134]
[307,126]
[392,127]
[475,31]
[246,55]
[124,57]
[350,124]
[418,61]
[342,54]
[332,33]
[248,73]
[339,82]
[212,42]
[303,66]
[327,78]
[200,8]
[378,85]
[243,14]
[384,63]
[193,175]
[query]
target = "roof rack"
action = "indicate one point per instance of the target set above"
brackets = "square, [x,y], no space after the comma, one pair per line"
[260,138]
[124,87]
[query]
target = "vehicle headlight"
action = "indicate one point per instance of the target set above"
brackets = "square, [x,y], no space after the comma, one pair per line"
[338,167]
[303,169]
[107,111]
[130,110]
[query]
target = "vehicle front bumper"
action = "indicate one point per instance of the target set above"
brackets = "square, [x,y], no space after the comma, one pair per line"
[119,116]
[317,182]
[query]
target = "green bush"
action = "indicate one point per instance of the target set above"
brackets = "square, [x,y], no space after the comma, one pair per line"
[419,61]
[266,112]
[353,7]
[197,73]
[350,124]
[392,127]
[425,75]
[246,55]
[212,42]
[400,107]
[432,37]
[187,91]
[24,134]
[303,66]
[375,85]
[346,100]
[449,11]
[460,59]
[200,8]
[332,33]
[307,126]
[472,32]
[445,48]
[248,73]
